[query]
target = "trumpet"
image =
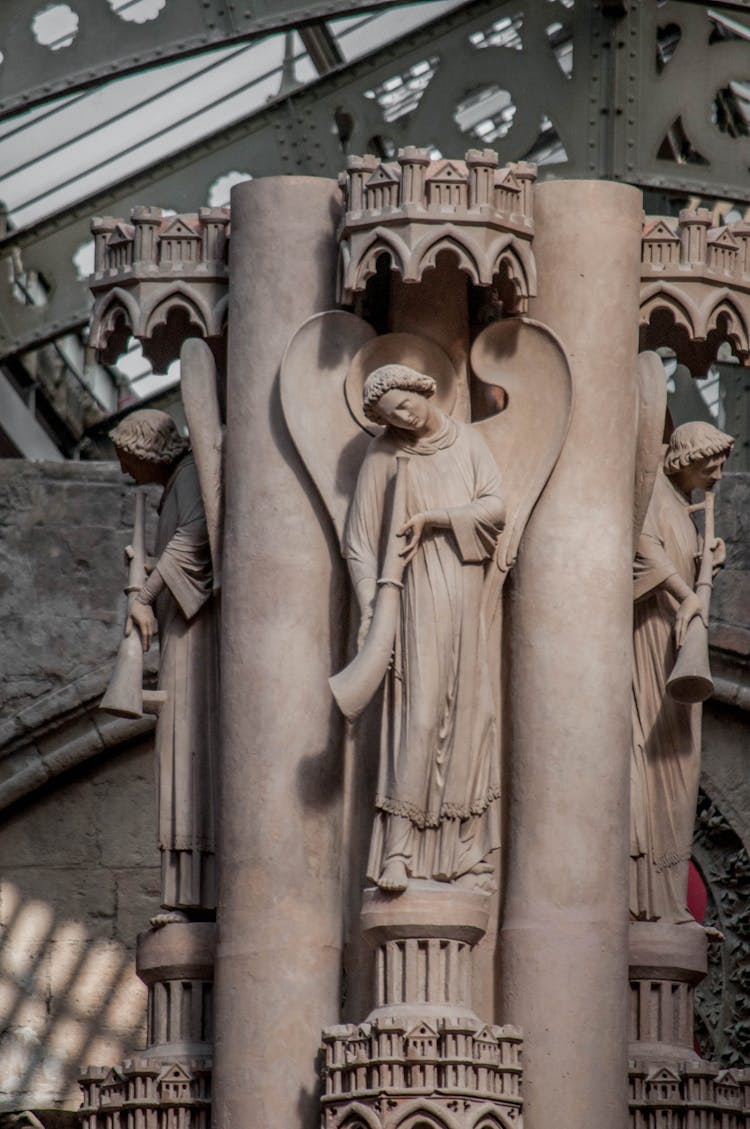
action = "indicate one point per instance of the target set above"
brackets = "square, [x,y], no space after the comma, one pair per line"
[125,696]
[354,686]
[690,680]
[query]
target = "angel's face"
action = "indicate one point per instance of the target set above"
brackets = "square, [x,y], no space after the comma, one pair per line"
[406,410]
[142,471]
[700,474]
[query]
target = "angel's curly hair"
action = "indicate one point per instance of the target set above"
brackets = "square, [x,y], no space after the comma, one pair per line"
[388,377]
[693,441]
[149,435]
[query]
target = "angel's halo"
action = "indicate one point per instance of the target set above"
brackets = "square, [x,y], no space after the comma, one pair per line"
[419,353]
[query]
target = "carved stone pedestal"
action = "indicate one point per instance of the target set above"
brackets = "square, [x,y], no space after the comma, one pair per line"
[669,1083]
[176,963]
[170,1084]
[666,963]
[422,1049]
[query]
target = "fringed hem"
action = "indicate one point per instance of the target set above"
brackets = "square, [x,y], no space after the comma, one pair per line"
[671,858]
[423,819]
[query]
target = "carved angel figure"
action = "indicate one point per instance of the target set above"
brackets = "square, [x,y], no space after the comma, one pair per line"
[178,594]
[666,741]
[439,777]
[380,438]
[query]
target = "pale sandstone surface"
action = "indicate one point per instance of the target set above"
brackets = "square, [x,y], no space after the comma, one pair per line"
[564,933]
[280,908]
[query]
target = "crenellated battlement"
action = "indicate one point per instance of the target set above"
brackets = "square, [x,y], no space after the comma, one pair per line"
[143,1093]
[690,1095]
[415,207]
[398,1060]
[152,243]
[159,278]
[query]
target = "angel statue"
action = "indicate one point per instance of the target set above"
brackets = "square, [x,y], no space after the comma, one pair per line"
[179,592]
[670,624]
[178,595]
[439,780]
[428,533]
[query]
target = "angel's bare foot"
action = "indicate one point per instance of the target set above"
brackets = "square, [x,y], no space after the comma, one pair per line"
[482,868]
[169,917]
[713,935]
[393,877]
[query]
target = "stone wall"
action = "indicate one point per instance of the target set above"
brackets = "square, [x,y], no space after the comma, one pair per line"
[79,880]
[730,605]
[77,814]
[63,528]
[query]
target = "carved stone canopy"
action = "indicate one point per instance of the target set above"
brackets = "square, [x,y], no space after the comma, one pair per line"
[160,279]
[414,208]
[695,287]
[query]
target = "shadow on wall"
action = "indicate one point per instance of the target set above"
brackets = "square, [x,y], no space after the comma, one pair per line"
[67,998]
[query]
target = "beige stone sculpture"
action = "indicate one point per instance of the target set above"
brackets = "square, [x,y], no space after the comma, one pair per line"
[439,781]
[666,731]
[432,585]
[178,595]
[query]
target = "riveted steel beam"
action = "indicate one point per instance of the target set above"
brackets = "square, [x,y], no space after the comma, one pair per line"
[665,130]
[100,44]
[610,115]
[308,131]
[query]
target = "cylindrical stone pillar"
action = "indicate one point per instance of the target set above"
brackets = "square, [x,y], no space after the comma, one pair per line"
[564,935]
[285,594]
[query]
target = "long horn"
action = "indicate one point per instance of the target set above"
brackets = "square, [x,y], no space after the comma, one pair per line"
[124,696]
[690,680]
[355,685]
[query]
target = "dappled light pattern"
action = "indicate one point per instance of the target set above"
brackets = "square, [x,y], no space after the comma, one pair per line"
[67,998]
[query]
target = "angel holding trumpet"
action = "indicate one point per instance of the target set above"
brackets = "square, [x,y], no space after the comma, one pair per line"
[429,536]
[666,737]
[437,803]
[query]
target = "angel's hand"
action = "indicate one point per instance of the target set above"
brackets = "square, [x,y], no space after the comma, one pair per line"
[412,530]
[690,607]
[142,616]
[718,554]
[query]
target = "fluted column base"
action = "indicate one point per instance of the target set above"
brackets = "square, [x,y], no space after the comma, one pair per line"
[666,962]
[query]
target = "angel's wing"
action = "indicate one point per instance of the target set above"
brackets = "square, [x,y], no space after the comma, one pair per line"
[200,399]
[526,360]
[330,442]
[652,410]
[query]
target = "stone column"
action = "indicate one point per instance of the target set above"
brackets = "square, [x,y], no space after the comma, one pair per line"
[564,936]
[285,595]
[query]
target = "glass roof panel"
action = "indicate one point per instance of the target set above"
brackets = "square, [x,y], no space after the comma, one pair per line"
[62,152]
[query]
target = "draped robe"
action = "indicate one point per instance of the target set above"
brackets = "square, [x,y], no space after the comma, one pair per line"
[439,772]
[186,732]
[666,734]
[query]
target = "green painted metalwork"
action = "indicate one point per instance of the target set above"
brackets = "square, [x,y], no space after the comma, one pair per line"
[104,44]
